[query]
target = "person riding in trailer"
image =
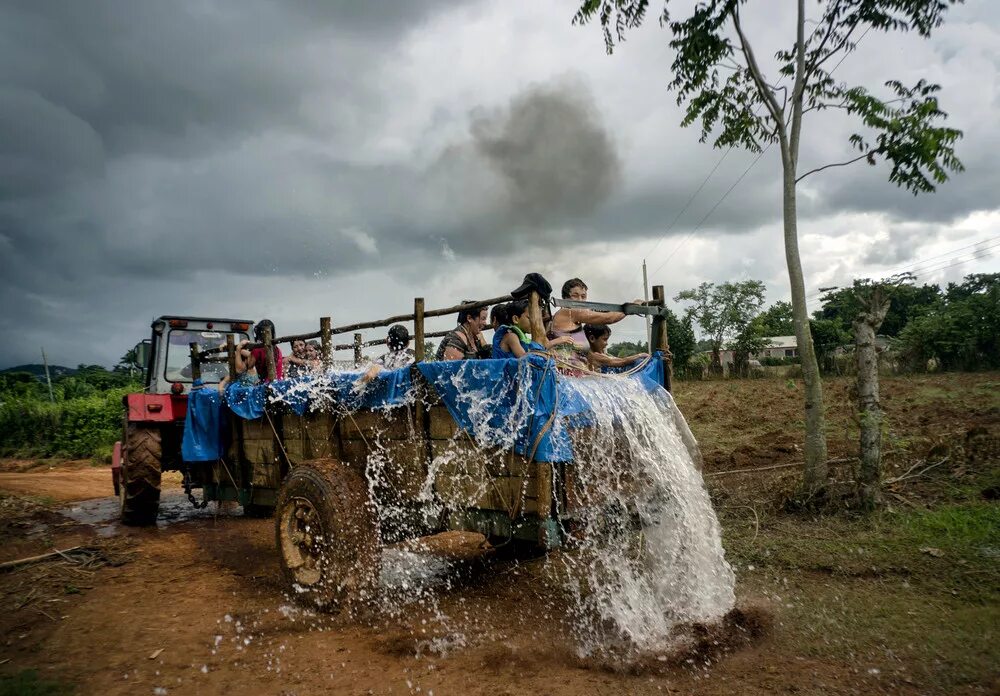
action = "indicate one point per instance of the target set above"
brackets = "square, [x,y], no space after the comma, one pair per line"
[400,354]
[598,337]
[260,355]
[466,341]
[570,322]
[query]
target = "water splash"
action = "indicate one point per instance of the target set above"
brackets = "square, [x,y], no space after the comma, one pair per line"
[644,555]
[649,557]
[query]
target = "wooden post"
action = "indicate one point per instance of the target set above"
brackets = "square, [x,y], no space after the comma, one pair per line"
[272,370]
[195,362]
[357,349]
[660,340]
[231,354]
[48,378]
[325,341]
[418,328]
[535,317]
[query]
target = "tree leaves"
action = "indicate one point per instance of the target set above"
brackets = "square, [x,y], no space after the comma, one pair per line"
[712,76]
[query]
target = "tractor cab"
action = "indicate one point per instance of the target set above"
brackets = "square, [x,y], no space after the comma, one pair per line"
[154,418]
[168,353]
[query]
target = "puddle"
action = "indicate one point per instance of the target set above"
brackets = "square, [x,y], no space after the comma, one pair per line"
[102,513]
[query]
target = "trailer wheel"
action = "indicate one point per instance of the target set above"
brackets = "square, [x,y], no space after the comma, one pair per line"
[327,536]
[140,474]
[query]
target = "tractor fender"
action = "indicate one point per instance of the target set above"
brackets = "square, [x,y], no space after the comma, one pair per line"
[155,408]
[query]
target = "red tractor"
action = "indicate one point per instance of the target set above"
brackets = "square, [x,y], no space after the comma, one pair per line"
[154,418]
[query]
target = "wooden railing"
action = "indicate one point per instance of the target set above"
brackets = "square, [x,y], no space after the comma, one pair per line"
[654,308]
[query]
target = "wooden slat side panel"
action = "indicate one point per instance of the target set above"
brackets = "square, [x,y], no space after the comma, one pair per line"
[392,424]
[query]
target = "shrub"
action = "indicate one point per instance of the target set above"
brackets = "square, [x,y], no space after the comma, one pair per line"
[83,427]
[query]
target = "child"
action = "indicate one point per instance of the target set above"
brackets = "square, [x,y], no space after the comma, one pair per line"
[511,340]
[246,370]
[598,337]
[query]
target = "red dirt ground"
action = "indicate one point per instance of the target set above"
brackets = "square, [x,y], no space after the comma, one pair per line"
[98,630]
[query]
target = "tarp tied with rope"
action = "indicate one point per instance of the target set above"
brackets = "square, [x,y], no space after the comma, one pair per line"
[524,405]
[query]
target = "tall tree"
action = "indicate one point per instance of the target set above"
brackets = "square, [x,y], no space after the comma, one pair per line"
[717,75]
[723,311]
[907,302]
[777,320]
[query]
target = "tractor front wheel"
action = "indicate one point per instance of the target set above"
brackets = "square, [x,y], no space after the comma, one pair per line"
[140,474]
[327,536]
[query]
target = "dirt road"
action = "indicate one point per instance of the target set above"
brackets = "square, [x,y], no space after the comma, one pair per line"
[59,484]
[203,595]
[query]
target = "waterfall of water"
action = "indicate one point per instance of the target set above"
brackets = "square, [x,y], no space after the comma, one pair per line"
[649,558]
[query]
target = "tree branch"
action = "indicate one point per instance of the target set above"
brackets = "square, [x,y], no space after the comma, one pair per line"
[831,14]
[800,83]
[758,77]
[833,51]
[837,164]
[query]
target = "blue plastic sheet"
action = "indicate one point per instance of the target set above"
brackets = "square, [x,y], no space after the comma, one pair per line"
[341,389]
[246,400]
[202,441]
[482,397]
[389,388]
[521,404]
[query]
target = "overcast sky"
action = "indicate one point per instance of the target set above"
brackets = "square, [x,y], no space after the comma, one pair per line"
[296,159]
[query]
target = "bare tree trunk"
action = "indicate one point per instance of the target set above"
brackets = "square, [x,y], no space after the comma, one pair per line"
[866,324]
[815,471]
[716,367]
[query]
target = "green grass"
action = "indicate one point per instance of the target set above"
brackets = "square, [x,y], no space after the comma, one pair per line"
[914,595]
[950,550]
[28,683]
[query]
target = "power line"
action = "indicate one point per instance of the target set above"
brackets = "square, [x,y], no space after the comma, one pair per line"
[952,260]
[690,234]
[946,253]
[717,204]
[952,254]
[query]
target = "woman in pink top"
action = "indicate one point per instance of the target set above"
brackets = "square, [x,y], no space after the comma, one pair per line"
[570,322]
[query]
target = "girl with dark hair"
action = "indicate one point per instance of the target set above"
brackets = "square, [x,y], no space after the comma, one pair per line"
[511,340]
[597,337]
[260,357]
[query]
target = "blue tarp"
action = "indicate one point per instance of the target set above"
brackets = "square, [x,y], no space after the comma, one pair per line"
[389,388]
[520,404]
[489,398]
[203,429]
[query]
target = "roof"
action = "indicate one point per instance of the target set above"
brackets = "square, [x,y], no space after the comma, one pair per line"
[167,317]
[782,342]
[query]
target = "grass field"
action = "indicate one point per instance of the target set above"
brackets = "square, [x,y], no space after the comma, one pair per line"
[910,593]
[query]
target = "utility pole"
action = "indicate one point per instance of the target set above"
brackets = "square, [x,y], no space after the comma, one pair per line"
[645,296]
[45,361]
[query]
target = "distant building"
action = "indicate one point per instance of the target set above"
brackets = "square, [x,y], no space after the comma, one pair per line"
[779,347]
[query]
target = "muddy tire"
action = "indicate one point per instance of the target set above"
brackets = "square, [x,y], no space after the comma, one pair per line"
[140,474]
[327,536]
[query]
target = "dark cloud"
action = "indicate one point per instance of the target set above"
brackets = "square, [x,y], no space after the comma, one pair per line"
[197,155]
[552,152]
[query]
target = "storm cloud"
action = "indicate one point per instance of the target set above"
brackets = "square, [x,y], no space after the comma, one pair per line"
[207,156]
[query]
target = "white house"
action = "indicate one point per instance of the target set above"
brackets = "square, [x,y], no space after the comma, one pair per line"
[779,347]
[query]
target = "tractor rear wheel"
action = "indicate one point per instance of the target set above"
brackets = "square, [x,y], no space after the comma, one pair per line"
[140,474]
[327,536]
